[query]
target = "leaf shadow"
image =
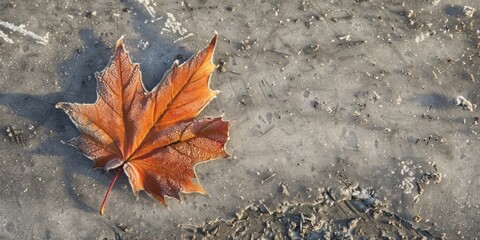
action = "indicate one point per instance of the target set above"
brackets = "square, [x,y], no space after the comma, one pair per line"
[435,100]
[160,51]
[76,77]
[79,85]
[454,10]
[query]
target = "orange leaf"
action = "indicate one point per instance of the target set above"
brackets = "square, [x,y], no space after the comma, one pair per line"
[152,136]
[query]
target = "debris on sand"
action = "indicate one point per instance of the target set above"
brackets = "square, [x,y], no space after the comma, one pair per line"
[427,177]
[464,103]
[360,215]
[468,11]
[435,2]
[284,189]
[15,135]
[173,26]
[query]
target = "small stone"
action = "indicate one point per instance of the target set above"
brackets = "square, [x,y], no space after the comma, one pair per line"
[468,11]
[284,189]
[476,120]
[91,14]
[353,223]
[464,103]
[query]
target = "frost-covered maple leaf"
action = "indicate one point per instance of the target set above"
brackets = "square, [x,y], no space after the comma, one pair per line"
[151,136]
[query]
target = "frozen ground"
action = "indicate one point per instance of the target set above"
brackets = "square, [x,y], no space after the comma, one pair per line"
[343,118]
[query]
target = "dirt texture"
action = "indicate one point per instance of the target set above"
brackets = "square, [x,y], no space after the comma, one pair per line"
[349,119]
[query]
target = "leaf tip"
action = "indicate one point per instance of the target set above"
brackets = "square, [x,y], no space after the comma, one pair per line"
[59,105]
[213,42]
[159,198]
[202,190]
[120,42]
[214,38]
[228,155]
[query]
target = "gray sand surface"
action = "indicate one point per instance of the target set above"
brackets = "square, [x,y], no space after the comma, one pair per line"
[350,119]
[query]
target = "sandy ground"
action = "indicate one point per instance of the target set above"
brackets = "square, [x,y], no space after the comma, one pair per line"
[343,118]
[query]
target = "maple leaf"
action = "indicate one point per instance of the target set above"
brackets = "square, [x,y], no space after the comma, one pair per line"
[151,136]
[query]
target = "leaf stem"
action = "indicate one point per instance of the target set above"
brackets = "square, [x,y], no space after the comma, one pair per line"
[102,208]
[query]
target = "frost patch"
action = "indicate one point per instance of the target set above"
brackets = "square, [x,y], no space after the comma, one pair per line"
[408,172]
[5,37]
[464,103]
[148,5]
[422,37]
[21,29]
[172,26]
